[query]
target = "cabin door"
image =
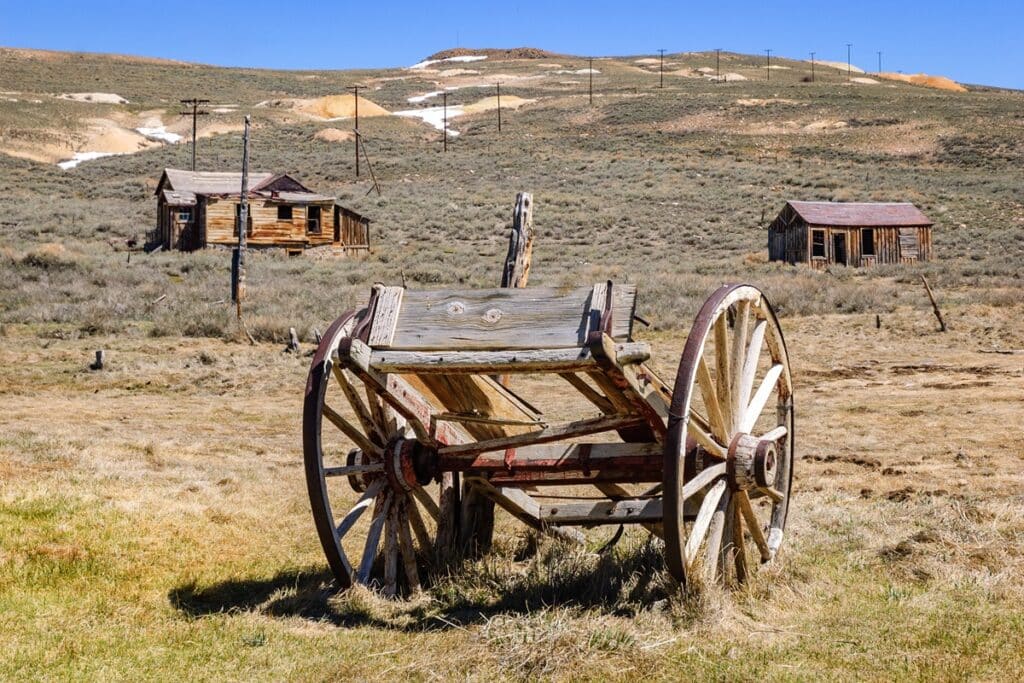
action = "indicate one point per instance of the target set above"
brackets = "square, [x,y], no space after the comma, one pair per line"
[839,247]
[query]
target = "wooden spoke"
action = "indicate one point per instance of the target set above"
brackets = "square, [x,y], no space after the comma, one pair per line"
[353,469]
[370,428]
[391,552]
[706,440]
[349,430]
[359,508]
[775,434]
[722,378]
[753,525]
[746,383]
[380,513]
[703,521]
[775,494]
[706,476]
[757,404]
[711,402]
[412,572]
[418,527]
[737,354]
[713,550]
[739,549]
[427,502]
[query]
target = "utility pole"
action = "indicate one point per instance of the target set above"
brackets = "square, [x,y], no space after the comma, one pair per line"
[591,87]
[661,69]
[718,64]
[355,90]
[769,69]
[243,223]
[444,121]
[879,61]
[812,67]
[499,106]
[194,103]
[849,68]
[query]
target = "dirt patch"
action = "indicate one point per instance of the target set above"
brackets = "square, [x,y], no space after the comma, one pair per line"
[758,102]
[339,106]
[864,80]
[938,82]
[489,103]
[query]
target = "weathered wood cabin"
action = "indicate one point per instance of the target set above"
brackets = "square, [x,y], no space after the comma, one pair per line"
[850,234]
[198,209]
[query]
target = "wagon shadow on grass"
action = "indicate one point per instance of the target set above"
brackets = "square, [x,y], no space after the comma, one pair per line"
[622,582]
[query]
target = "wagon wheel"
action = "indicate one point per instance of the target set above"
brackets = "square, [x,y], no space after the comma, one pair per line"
[376,528]
[727,500]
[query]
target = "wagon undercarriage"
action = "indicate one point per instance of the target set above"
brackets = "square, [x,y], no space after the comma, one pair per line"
[408,418]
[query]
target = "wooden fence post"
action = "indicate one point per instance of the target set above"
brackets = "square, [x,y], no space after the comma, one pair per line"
[935,306]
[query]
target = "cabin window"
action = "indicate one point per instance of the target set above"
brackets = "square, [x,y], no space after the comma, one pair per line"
[818,243]
[867,242]
[284,213]
[313,219]
[238,219]
[184,215]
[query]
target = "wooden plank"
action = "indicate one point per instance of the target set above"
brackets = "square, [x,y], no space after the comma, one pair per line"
[546,435]
[491,319]
[560,360]
[594,513]
[385,316]
[555,457]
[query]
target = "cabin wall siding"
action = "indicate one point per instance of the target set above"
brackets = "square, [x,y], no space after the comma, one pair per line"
[267,230]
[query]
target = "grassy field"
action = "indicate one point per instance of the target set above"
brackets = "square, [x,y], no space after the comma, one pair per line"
[144,535]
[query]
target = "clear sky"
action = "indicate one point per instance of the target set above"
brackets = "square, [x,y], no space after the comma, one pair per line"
[972,42]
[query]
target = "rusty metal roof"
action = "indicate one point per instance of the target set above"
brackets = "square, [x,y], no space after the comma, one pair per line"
[856,214]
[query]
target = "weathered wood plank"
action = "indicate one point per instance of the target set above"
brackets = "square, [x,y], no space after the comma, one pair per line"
[593,513]
[561,360]
[389,303]
[490,319]
[546,435]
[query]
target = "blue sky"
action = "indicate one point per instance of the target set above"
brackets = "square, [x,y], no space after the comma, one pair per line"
[973,42]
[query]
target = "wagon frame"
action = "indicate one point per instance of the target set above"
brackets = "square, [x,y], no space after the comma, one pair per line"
[705,464]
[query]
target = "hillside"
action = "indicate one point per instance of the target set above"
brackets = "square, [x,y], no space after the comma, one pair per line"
[154,521]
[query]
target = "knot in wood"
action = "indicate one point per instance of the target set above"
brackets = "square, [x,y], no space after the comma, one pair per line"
[455,308]
[492,315]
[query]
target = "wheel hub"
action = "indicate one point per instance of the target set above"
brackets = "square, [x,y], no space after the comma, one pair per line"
[752,463]
[409,464]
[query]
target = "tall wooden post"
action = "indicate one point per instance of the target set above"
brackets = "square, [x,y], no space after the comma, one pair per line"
[477,518]
[812,67]
[499,105]
[769,69]
[444,121]
[661,69]
[243,222]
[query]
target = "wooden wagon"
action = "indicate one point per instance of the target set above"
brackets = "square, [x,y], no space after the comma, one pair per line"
[434,437]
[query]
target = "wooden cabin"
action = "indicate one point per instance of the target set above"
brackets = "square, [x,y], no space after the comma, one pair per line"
[849,234]
[196,209]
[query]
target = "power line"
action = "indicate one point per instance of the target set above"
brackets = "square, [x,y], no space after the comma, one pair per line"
[661,69]
[879,61]
[718,64]
[812,67]
[194,103]
[849,67]
[768,51]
